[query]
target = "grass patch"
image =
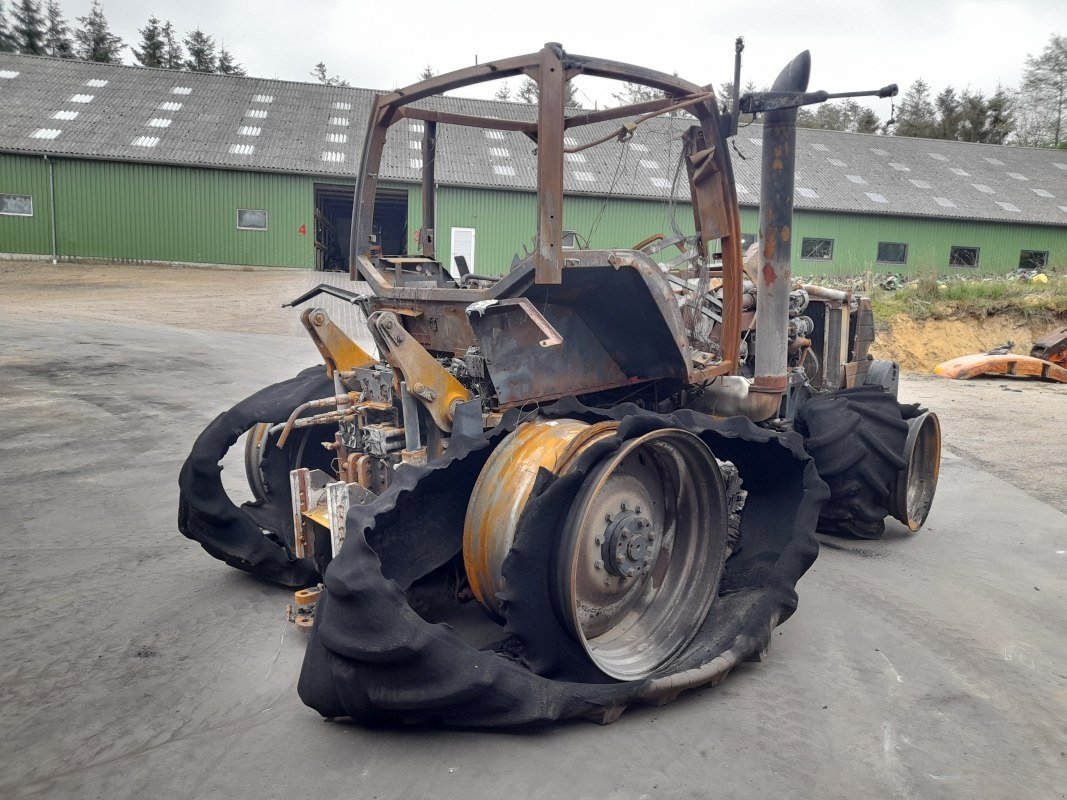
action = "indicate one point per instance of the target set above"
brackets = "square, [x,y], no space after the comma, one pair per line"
[927,298]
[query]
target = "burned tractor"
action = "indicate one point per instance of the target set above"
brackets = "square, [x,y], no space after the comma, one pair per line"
[617,465]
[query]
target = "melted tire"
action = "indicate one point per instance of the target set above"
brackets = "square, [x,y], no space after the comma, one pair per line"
[857,438]
[375,660]
[255,537]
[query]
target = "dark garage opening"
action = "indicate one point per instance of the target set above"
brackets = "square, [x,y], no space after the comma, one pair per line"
[333,223]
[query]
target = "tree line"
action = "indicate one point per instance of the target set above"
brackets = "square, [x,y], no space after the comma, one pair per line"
[42,30]
[1034,115]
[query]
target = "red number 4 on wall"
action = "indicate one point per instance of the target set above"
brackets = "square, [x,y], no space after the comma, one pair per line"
[302,230]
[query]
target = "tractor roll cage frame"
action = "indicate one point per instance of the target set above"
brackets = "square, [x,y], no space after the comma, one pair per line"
[714,198]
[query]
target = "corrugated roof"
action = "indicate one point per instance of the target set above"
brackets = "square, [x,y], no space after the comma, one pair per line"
[115,112]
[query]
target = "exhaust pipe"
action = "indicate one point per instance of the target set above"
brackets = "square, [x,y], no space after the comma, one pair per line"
[761,398]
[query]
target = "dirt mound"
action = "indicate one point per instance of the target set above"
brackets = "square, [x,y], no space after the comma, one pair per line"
[920,345]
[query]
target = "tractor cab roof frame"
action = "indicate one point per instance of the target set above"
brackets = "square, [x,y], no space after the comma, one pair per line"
[710,172]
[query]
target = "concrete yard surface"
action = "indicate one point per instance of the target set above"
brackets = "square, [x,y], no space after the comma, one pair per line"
[134,665]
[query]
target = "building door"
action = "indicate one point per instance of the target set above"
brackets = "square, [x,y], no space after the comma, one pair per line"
[461,244]
[333,224]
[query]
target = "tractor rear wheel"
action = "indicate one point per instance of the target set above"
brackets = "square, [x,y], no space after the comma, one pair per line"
[878,457]
[639,559]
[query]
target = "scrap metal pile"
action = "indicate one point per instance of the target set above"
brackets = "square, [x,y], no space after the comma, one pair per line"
[604,475]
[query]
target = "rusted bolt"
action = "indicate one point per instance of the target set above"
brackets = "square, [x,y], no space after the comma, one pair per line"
[318,318]
[388,324]
[598,564]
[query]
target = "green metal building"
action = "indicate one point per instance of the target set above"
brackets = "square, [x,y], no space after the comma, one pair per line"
[125,163]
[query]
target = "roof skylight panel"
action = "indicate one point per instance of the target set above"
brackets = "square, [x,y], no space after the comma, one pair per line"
[493,134]
[248,130]
[876,198]
[1008,206]
[960,172]
[256,113]
[837,162]
[944,201]
[159,122]
[584,177]
[995,161]
[499,152]
[416,163]
[983,188]
[169,106]
[333,156]
[878,151]
[46,133]
[804,191]
[1042,192]
[8,74]
[1018,176]
[575,158]
[649,164]
[855,179]
[242,149]
[96,83]
[919,184]
[181,90]
[661,183]
[65,115]
[82,98]
[338,138]
[342,106]
[503,169]
[145,141]
[899,167]
[341,121]
[937,157]
[820,147]
[263,98]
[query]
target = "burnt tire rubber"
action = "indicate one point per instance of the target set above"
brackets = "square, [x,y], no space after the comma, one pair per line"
[255,537]
[372,658]
[857,438]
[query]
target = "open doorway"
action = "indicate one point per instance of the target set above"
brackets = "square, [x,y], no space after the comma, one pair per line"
[333,224]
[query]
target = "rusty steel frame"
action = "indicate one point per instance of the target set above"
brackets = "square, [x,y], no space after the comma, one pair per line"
[714,198]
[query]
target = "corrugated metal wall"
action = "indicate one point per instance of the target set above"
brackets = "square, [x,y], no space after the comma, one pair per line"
[26,175]
[159,213]
[929,241]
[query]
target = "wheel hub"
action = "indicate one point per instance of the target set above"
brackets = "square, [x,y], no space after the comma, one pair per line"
[627,543]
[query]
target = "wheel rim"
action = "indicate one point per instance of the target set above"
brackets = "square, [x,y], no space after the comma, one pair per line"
[642,552]
[917,482]
[503,489]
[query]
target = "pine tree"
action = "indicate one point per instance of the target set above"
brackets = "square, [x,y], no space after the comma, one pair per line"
[503,92]
[57,41]
[528,93]
[173,55]
[916,116]
[427,73]
[201,52]
[949,114]
[1001,120]
[7,41]
[153,47]
[28,28]
[322,75]
[227,66]
[95,40]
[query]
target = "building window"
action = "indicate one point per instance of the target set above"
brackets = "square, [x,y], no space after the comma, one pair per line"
[251,219]
[817,249]
[746,241]
[16,205]
[462,244]
[963,257]
[1033,259]
[892,253]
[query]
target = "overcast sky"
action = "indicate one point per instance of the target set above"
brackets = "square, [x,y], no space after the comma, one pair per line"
[855,44]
